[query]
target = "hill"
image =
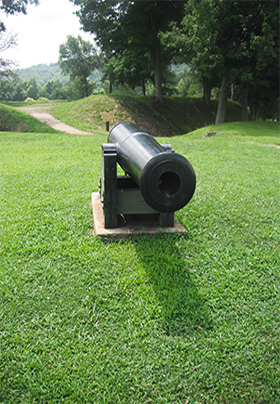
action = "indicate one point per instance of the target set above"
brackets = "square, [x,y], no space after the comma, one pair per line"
[44,73]
[12,120]
[174,116]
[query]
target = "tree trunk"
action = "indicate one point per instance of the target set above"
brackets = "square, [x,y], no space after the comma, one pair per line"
[244,101]
[232,91]
[156,60]
[144,87]
[222,105]
[86,86]
[252,106]
[206,92]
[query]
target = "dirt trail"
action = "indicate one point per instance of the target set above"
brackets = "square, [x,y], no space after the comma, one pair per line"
[42,115]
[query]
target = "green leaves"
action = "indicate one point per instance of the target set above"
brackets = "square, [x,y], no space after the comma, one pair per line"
[14,6]
[78,58]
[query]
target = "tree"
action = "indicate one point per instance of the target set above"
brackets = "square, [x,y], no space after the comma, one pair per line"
[263,87]
[123,27]
[127,69]
[193,42]
[251,53]
[12,89]
[232,42]
[78,58]
[13,7]
[10,7]
[55,90]
[32,89]
[6,41]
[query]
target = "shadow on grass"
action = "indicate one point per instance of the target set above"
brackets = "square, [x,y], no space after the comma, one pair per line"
[168,268]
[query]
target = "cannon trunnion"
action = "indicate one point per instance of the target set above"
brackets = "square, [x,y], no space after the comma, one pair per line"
[157,181]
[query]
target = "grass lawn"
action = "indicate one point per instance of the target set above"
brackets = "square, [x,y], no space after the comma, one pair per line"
[169,319]
[19,121]
[173,116]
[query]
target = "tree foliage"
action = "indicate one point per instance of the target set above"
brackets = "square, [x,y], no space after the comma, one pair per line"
[230,42]
[16,6]
[225,44]
[131,30]
[129,69]
[78,58]
[7,40]
[15,89]
[13,7]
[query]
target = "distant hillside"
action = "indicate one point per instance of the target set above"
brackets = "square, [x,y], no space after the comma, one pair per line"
[44,73]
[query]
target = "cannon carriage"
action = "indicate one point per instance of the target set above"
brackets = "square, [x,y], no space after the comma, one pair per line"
[157,181]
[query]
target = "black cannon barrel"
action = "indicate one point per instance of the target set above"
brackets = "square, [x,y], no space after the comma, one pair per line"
[166,179]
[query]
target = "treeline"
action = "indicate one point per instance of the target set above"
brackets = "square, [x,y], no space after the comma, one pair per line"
[230,49]
[232,46]
[16,89]
[181,82]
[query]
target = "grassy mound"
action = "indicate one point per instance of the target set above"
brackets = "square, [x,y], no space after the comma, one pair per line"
[174,116]
[259,132]
[12,120]
[171,319]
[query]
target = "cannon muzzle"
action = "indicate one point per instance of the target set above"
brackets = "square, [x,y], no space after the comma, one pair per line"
[166,179]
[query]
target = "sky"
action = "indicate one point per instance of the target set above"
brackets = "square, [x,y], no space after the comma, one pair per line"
[41,31]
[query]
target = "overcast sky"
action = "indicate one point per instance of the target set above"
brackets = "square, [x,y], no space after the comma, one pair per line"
[41,31]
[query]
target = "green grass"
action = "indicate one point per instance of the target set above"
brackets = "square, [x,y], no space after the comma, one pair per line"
[30,103]
[174,116]
[167,319]
[265,133]
[13,120]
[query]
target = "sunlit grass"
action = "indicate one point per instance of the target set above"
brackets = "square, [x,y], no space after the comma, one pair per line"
[167,319]
[173,116]
[17,121]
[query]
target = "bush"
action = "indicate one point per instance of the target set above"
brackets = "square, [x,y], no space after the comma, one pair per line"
[29,99]
[43,99]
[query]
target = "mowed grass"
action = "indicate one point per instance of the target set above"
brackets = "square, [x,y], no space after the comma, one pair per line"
[167,319]
[13,120]
[173,116]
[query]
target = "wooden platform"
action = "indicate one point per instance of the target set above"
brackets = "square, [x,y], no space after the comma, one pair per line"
[129,224]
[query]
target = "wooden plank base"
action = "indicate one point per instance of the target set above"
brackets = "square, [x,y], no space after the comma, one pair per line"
[129,224]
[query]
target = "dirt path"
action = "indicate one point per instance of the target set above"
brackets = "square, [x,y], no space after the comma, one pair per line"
[42,115]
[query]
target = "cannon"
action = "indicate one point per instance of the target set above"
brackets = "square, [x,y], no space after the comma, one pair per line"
[157,180]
